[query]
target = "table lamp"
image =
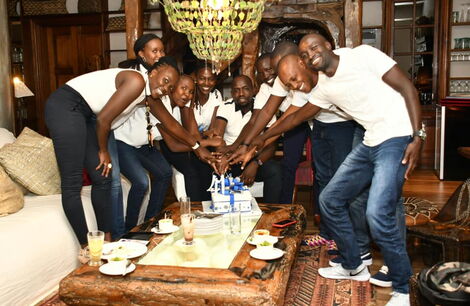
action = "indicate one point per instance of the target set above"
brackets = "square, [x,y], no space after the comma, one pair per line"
[21,91]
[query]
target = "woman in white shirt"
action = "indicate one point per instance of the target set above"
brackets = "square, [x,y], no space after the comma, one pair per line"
[79,116]
[207,99]
[137,156]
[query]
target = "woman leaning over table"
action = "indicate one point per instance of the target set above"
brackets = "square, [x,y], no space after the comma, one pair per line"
[81,114]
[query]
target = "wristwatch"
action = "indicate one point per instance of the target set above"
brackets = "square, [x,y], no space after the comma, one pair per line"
[420,133]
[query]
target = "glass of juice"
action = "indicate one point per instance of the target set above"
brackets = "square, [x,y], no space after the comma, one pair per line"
[95,247]
[187,221]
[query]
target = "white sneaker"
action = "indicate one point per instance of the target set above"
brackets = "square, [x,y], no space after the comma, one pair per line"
[361,273]
[399,299]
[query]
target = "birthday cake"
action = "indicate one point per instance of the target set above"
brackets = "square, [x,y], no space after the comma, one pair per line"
[229,194]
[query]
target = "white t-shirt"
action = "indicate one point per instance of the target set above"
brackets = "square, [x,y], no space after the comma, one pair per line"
[230,112]
[134,130]
[299,98]
[357,89]
[203,115]
[97,87]
[261,98]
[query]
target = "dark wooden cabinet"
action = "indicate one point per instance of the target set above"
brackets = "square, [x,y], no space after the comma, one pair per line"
[60,48]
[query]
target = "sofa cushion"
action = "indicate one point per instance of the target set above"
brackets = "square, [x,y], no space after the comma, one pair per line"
[11,197]
[6,137]
[31,161]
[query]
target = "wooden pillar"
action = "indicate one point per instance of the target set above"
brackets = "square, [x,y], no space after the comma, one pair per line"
[134,24]
[250,49]
[352,22]
[6,84]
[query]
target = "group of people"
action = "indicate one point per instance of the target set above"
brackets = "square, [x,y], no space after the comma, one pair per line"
[360,111]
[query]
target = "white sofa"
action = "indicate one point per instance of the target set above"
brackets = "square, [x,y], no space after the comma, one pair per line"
[39,248]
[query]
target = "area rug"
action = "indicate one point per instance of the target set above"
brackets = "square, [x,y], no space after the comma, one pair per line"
[307,287]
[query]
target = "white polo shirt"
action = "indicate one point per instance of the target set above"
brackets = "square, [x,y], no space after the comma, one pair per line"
[230,112]
[357,88]
[203,114]
[134,130]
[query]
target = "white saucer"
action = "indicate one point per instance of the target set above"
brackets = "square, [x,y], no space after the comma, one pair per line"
[271,239]
[109,270]
[263,255]
[173,229]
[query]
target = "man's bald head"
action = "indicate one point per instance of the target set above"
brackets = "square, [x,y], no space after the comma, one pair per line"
[242,79]
[282,49]
[294,74]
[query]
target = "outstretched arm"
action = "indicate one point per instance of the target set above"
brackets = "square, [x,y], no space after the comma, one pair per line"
[176,130]
[396,79]
[306,112]
[129,85]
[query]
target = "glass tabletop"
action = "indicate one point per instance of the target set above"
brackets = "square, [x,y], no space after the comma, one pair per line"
[208,251]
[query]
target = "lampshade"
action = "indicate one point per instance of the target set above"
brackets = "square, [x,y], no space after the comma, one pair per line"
[21,90]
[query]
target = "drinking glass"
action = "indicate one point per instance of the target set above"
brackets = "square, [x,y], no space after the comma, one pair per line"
[467,17]
[95,247]
[452,87]
[185,205]
[455,17]
[235,217]
[187,221]
[463,12]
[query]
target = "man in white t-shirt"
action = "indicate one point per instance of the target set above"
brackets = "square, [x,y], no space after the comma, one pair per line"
[368,85]
[231,117]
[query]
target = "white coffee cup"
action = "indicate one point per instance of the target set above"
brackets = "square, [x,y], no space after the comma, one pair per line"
[260,235]
[265,246]
[165,225]
[117,263]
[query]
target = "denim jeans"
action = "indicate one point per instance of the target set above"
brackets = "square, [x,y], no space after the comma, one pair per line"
[331,143]
[381,167]
[357,208]
[71,124]
[135,163]
[117,205]
[293,147]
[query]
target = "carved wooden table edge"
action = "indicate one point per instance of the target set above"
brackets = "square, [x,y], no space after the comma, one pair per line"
[248,281]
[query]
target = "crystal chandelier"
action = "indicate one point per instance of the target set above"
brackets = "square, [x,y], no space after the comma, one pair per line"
[214,28]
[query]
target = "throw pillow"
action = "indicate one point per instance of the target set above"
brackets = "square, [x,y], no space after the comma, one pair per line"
[31,161]
[11,197]
[6,137]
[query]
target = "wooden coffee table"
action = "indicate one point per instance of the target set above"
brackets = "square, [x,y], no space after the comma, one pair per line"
[248,281]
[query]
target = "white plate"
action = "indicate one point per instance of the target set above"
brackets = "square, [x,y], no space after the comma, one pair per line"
[125,249]
[271,239]
[109,270]
[173,229]
[263,255]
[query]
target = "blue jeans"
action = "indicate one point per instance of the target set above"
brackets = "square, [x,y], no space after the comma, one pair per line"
[381,167]
[293,147]
[135,163]
[357,208]
[331,143]
[117,204]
